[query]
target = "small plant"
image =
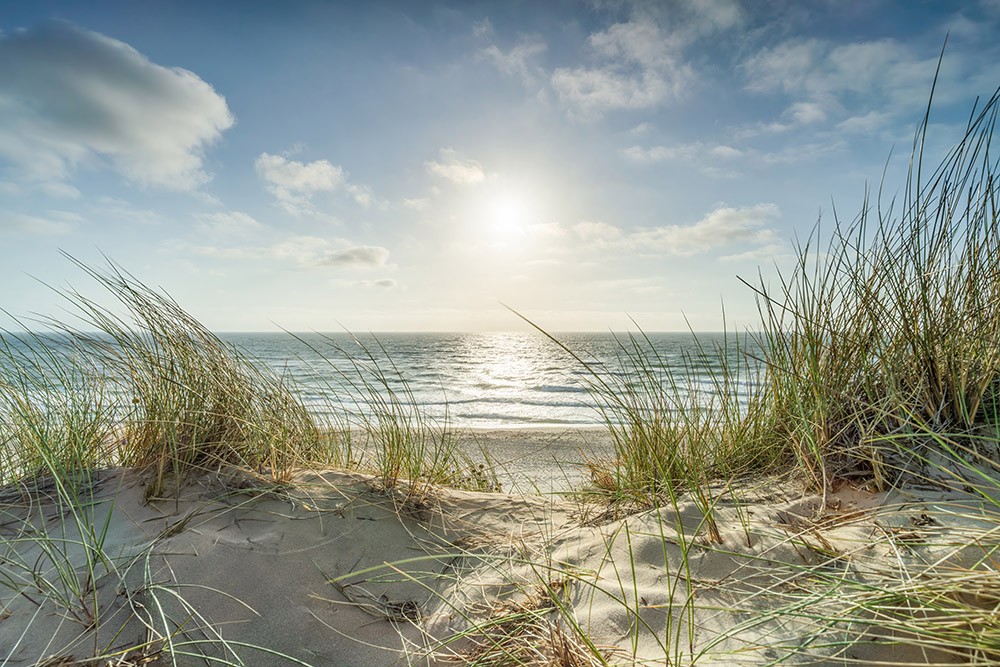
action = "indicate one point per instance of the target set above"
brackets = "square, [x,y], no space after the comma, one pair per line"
[527,630]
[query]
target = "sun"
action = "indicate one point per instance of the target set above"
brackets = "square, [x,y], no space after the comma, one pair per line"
[508,216]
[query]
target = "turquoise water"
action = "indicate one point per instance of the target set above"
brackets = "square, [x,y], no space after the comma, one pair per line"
[477,379]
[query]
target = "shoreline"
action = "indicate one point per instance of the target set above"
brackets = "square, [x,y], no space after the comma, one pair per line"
[532,460]
[542,460]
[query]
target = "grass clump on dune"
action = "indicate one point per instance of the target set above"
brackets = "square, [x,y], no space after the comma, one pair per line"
[891,330]
[884,335]
[674,426]
[151,389]
[385,429]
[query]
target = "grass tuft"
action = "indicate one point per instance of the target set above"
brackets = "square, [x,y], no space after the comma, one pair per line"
[890,330]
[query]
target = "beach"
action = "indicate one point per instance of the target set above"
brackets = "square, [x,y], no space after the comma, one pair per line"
[333,568]
[538,460]
[511,335]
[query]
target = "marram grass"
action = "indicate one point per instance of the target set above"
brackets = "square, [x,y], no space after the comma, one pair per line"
[884,334]
[154,389]
[891,328]
[151,389]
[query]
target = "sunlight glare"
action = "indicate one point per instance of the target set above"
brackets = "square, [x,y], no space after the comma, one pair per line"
[508,216]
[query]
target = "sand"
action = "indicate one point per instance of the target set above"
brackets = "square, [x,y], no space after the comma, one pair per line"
[332,569]
[538,460]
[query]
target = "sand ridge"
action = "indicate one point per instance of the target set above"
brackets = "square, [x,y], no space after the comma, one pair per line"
[332,569]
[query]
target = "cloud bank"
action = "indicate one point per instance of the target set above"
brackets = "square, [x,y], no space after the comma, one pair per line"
[70,96]
[722,227]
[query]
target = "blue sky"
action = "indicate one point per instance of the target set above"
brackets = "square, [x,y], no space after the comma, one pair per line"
[411,166]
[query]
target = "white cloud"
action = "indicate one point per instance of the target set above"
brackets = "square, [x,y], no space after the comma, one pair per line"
[963,27]
[795,116]
[700,154]
[53,225]
[520,61]
[770,251]
[803,152]
[716,15]
[293,182]
[482,28]
[827,81]
[218,252]
[597,232]
[111,207]
[57,189]
[361,194]
[594,91]
[418,204]
[866,123]
[302,251]
[641,42]
[785,66]
[70,96]
[723,227]
[650,154]
[227,223]
[691,151]
[315,251]
[726,152]
[615,286]
[455,168]
[382,283]
[806,113]
[719,172]
[639,68]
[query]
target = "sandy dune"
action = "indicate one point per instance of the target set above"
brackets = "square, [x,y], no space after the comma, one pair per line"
[334,570]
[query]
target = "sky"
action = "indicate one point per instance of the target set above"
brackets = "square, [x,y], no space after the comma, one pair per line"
[422,166]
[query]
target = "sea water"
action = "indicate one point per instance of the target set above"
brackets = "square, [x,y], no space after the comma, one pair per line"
[485,380]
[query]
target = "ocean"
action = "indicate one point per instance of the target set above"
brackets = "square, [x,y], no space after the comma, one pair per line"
[478,380]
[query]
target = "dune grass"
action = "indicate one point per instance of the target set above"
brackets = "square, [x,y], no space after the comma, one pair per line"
[883,336]
[384,427]
[154,389]
[151,389]
[143,385]
[890,330]
[669,433]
